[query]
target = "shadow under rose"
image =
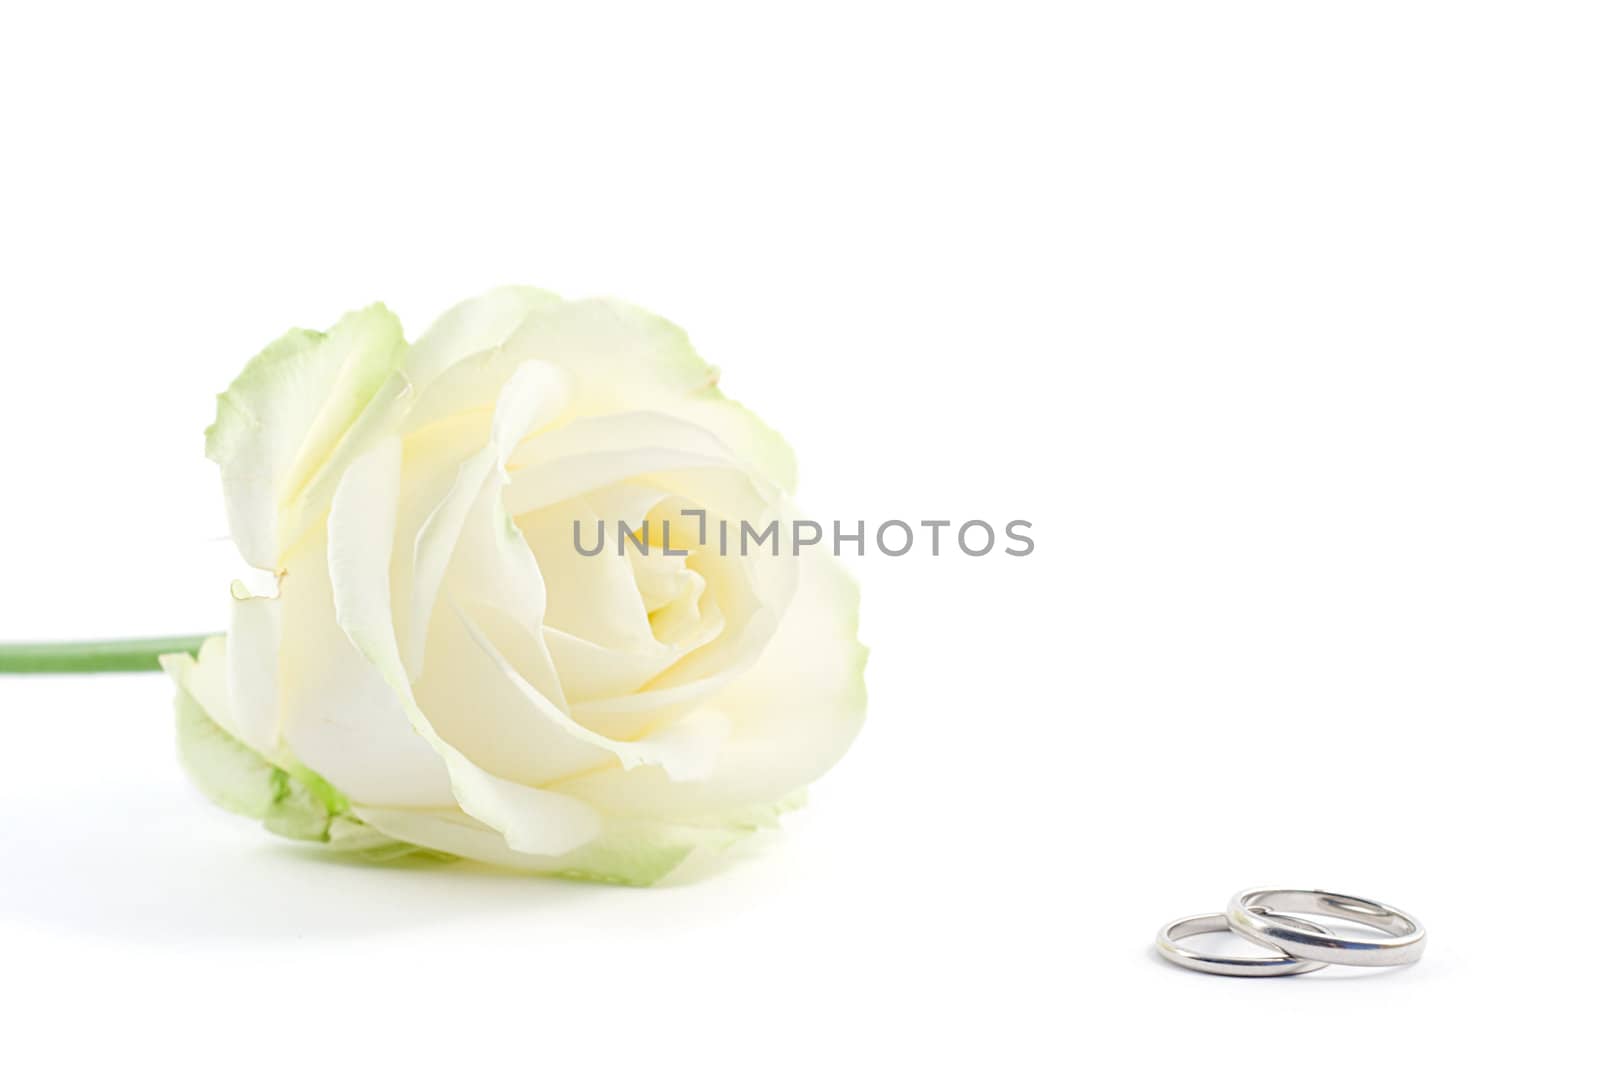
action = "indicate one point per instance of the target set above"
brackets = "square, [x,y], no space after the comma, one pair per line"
[163,867]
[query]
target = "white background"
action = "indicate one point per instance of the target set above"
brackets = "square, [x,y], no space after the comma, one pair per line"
[1278,321]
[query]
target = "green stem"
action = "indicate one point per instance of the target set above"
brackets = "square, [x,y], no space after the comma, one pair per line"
[83,657]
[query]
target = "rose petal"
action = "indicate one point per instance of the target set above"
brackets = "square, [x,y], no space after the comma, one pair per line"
[340,717]
[473,326]
[686,750]
[281,418]
[253,670]
[794,713]
[361,531]
[534,394]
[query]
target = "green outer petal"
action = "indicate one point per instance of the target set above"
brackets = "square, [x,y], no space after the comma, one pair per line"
[474,326]
[291,802]
[237,779]
[284,415]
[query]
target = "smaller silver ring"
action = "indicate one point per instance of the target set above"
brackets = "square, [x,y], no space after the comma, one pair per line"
[1255,914]
[1168,936]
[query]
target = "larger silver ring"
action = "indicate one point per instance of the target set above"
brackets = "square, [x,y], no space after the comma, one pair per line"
[1238,966]
[1254,914]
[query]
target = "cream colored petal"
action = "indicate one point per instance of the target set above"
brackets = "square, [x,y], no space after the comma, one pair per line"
[793,713]
[478,709]
[495,575]
[451,373]
[383,413]
[498,699]
[752,594]
[622,432]
[339,717]
[627,359]
[597,624]
[534,394]
[361,534]
[535,487]
[589,671]
[622,357]
[583,456]
[756,444]
[592,597]
[685,750]
[431,467]
[253,632]
[205,678]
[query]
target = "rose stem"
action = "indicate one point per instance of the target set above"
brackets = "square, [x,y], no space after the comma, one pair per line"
[83,657]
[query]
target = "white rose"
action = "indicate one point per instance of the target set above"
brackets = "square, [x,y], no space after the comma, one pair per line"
[440,668]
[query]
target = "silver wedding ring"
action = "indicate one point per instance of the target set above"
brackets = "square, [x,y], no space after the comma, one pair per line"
[1300,944]
[1255,914]
[1168,936]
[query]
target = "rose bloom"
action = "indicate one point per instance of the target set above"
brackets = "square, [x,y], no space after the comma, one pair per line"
[440,669]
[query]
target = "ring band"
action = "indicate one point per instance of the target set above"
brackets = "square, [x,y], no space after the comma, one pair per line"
[1238,966]
[1254,913]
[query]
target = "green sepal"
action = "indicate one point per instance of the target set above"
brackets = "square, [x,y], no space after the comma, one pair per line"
[296,803]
